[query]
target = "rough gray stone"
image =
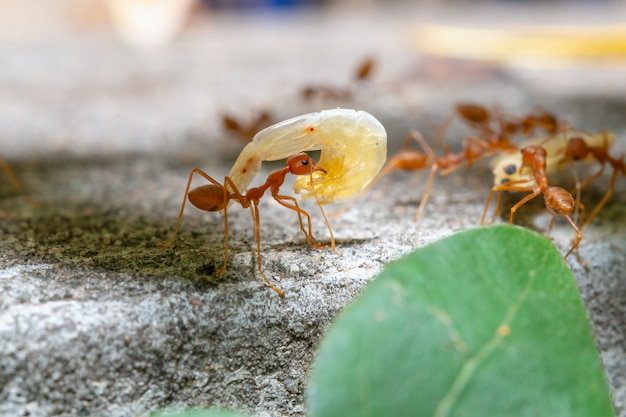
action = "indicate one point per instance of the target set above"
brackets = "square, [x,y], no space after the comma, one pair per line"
[95,319]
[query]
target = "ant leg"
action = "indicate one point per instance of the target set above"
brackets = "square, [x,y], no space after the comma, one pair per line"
[330,229]
[414,134]
[493,189]
[550,225]
[11,176]
[578,189]
[442,129]
[522,202]
[496,212]
[429,184]
[604,199]
[431,155]
[14,181]
[254,210]
[223,268]
[282,200]
[593,177]
[182,207]
[582,218]
[579,236]
[508,187]
[580,186]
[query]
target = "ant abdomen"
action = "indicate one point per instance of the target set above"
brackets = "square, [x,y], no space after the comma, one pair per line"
[559,201]
[208,197]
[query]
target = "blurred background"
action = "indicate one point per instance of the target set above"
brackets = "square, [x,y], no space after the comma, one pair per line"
[106,105]
[109,76]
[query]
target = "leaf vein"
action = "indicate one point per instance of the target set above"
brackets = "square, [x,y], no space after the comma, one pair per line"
[471,365]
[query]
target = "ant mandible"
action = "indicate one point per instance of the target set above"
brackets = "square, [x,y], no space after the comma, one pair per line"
[558,201]
[217,197]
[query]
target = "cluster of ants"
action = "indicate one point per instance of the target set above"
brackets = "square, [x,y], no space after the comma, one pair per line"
[522,167]
[353,152]
[546,144]
[245,131]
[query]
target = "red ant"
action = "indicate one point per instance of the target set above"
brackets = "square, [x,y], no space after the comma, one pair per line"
[558,201]
[474,115]
[578,149]
[413,160]
[489,140]
[363,73]
[541,119]
[216,197]
[494,129]
[247,132]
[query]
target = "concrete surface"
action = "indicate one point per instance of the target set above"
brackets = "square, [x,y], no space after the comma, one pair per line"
[95,319]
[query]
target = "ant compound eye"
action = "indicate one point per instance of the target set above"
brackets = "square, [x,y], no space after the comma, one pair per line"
[305,162]
[510,169]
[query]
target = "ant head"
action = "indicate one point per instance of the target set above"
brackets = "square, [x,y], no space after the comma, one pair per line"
[576,149]
[302,164]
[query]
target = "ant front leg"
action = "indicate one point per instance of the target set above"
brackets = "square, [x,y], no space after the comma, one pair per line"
[282,200]
[426,195]
[522,202]
[506,187]
[330,229]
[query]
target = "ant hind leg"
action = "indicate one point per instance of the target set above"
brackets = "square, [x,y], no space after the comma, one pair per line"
[254,209]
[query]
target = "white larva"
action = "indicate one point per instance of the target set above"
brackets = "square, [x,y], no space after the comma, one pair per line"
[353,147]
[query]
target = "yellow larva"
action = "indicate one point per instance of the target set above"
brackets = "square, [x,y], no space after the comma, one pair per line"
[353,147]
[506,167]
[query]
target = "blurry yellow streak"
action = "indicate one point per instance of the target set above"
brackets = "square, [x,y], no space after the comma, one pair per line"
[534,42]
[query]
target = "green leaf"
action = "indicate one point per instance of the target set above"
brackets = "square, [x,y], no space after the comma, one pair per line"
[197,412]
[488,322]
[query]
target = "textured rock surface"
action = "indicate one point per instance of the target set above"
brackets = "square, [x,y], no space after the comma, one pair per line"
[97,320]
